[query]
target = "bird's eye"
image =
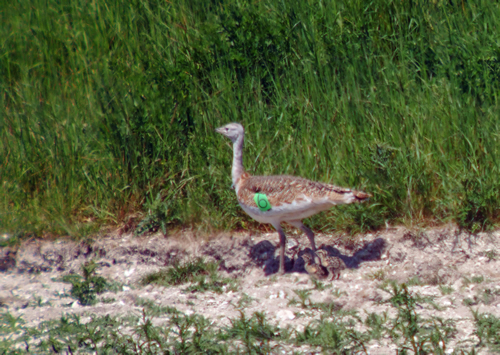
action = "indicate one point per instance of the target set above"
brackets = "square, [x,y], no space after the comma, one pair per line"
[227,129]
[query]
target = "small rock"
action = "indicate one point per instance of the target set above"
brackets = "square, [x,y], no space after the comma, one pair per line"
[125,288]
[281,294]
[75,304]
[285,314]
[189,312]
[129,272]
[292,244]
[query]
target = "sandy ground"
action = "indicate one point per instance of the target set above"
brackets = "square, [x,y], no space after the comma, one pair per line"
[29,285]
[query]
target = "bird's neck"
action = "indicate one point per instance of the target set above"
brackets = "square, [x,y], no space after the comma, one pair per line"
[238,169]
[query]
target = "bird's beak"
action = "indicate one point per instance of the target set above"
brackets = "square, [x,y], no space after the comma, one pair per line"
[219,130]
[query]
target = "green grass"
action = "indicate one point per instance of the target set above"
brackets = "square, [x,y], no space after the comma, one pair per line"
[487,330]
[108,111]
[410,332]
[202,275]
[445,290]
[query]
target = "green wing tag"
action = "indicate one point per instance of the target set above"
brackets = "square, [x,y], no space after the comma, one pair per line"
[262,202]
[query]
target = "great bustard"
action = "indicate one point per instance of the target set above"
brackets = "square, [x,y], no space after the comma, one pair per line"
[276,199]
[334,265]
[314,270]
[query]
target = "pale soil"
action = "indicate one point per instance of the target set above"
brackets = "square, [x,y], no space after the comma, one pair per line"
[436,256]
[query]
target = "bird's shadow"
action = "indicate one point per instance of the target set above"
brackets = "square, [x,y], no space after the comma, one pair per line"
[264,255]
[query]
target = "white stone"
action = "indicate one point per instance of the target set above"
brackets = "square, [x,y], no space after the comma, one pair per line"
[129,272]
[281,294]
[125,288]
[285,314]
[189,312]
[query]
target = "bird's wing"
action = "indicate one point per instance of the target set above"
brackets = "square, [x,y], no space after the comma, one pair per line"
[285,189]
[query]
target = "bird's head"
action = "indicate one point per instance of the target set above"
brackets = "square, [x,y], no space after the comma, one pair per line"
[232,131]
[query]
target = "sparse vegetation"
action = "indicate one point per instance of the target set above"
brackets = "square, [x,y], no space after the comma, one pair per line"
[86,289]
[336,331]
[445,290]
[491,255]
[413,281]
[202,275]
[488,330]
[466,281]
[255,333]
[244,301]
[410,332]
[320,286]
[378,275]
[335,335]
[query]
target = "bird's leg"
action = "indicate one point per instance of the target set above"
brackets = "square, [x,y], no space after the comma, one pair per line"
[307,231]
[310,236]
[282,248]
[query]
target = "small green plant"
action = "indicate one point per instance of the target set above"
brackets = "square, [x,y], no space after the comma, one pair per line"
[10,323]
[38,302]
[491,255]
[477,279]
[155,309]
[414,281]
[338,292]
[473,280]
[412,333]
[320,286]
[445,290]
[203,276]
[108,300]
[474,211]
[488,296]
[255,333]
[487,330]
[304,300]
[179,274]
[328,308]
[336,335]
[86,289]
[245,300]
[378,275]
[376,324]
[158,216]
[471,301]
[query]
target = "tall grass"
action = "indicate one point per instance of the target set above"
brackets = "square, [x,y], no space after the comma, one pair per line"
[108,110]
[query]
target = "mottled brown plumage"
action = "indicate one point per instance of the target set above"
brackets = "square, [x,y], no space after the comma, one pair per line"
[334,265]
[314,270]
[284,189]
[290,198]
